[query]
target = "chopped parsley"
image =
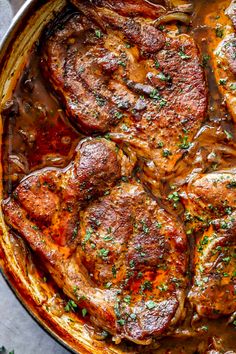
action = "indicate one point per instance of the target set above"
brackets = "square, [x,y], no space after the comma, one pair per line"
[183,55]
[228,135]
[132,264]
[122,63]
[147,285]
[103,253]
[222,82]
[158,225]
[162,287]
[154,94]
[88,235]
[35,227]
[205,240]
[75,288]
[228,210]
[100,101]
[75,232]
[205,59]
[119,115]
[185,144]
[233,86]
[166,153]
[150,305]
[116,309]
[162,102]
[125,128]
[98,33]
[163,77]
[145,227]
[224,225]
[219,32]
[140,275]
[70,306]
[160,144]
[174,197]
[84,312]
[108,285]
[108,238]
[205,328]
[127,299]
[114,271]
[133,316]
[231,184]
[121,322]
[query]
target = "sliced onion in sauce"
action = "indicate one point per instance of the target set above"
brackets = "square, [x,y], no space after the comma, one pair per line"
[54,160]
[179,5]
[173,16]
[19,164]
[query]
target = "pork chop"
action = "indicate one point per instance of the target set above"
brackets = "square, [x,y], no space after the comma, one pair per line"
[224,58]
[231,12]
[116,72]
[224,61]
[210,201]
[112,249]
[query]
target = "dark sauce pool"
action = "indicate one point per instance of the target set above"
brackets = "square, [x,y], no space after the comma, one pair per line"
[39,134]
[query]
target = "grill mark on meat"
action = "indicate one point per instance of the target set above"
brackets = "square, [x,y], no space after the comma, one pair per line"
[74,239]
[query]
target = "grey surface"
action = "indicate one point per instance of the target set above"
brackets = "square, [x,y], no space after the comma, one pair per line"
[6,14]
[18,331]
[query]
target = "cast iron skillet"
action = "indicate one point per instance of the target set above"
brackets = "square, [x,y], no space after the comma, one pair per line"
[74,336]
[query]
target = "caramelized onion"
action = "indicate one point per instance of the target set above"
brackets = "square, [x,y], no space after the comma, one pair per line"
[184,333]
[179,5]
[19,164]
[173,16]
[96,333]
[10,108]
[54,160]
[232,318]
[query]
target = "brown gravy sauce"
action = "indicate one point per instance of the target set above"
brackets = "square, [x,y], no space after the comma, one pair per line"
[40,136]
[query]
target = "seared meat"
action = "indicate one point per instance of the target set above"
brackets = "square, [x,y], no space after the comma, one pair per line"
[53,197]
[121,256]
[231,12]
[211,196]
[116,72]
[211,202]
[225,71]
[224,61]
[213,291]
